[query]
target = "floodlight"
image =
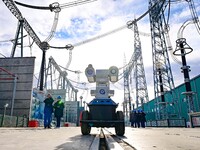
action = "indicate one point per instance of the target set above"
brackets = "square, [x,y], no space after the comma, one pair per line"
[113,73]
[90,73]
[6,105]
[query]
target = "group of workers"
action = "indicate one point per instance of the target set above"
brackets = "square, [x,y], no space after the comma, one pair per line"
[138,119]
[51,107]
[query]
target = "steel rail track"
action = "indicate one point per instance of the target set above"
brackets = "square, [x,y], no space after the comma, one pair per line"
[105,140]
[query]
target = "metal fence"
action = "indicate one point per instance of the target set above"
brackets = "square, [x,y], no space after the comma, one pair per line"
[16,121]
[195,119]
[167,123]
[13,121]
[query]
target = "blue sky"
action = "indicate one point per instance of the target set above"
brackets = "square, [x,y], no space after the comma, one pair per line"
[79,23]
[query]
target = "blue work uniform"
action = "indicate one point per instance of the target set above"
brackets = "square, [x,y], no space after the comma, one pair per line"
[48,110]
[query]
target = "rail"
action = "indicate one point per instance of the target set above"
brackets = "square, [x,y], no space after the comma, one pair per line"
[106,140]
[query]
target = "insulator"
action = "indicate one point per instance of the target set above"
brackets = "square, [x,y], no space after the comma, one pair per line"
[55,7]
[69,46]
[182,45]
[130,24]
[186,68]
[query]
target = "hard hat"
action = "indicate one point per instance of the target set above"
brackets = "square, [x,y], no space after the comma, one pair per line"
[59,97]
[48,94]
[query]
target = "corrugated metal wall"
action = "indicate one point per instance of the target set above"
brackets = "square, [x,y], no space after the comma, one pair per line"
[180,106]
[23,68]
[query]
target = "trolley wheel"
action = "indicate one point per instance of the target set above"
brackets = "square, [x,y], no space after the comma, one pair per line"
[120,127]
[85,128]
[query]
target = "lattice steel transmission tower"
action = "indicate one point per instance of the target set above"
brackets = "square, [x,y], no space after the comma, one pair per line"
[56,78]
[139,72]
[162,73]
[127,96]
[135,72]
[23,23]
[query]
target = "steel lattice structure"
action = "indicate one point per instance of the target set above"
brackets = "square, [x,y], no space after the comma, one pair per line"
[135,67]
[44,46]
[62,82]
[162,73]
[139,72]
[127,96]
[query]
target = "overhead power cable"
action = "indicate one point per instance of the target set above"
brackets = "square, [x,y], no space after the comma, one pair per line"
[69,46]
[75,3]
[34,7]
[128,25]
[53,28]
[11,40]
[69,69]
[182,28]
[56,6]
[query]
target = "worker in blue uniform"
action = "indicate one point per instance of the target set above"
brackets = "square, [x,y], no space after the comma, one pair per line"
[138,118]
[133,118]
[48,110]
[58,110]
[143,119]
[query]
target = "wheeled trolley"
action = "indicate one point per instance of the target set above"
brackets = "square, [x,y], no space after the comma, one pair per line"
[102,113]
[102,109]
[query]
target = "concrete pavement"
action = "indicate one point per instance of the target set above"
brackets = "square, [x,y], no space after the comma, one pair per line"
[70,138]
[163,138]
[65,138]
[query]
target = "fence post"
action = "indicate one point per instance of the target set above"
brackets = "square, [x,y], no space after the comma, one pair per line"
[17,121]
[168,123]
[23,120]
[191,121]
[2,120]
[27,122]
[185,123]
[4,114]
